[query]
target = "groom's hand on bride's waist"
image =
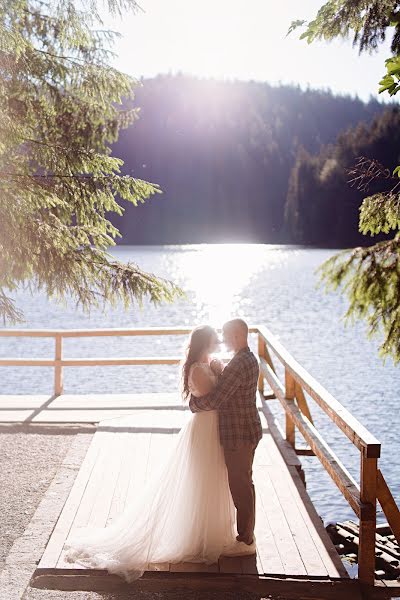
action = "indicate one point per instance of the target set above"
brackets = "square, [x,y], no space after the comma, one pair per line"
[199,404]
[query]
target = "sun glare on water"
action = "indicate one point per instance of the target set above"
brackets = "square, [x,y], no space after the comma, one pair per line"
[217,276]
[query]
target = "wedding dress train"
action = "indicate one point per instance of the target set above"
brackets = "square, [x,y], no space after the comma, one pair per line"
[184,513]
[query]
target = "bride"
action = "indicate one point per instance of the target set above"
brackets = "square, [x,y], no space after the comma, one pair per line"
[186,512]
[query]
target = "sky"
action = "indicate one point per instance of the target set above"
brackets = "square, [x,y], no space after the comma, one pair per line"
[232,39]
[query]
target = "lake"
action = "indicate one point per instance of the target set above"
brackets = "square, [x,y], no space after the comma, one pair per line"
[272,285]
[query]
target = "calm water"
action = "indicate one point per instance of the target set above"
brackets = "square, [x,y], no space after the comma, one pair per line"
[273,285]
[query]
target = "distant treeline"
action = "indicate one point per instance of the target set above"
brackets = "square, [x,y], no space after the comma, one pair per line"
[321,206]
[249,162]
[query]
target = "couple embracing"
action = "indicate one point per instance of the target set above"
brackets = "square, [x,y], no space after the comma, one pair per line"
[200,505]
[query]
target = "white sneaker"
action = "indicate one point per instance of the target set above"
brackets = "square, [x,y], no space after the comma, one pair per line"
[254,538]
[240,549]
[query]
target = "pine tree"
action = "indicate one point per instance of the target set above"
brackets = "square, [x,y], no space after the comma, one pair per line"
[370,276]
[61,108]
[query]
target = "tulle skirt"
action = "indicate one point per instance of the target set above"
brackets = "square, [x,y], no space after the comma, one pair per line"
[184,513]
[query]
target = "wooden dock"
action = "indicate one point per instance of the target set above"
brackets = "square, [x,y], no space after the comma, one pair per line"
[295,555]
[291,539]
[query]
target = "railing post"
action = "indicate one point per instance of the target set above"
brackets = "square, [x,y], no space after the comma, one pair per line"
[302,402]
[367,528]
[289,396]
[58,370]
[261,354]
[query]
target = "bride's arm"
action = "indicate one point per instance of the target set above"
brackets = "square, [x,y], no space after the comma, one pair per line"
[229,380]
[201,381]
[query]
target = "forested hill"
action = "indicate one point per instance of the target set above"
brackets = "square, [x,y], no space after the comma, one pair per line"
[223,153]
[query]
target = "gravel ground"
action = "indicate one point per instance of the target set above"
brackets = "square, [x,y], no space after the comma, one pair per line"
[28,463]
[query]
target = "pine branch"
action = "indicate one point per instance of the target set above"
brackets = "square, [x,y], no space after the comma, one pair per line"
[61,110]
[366,171]
[379,212]
[8,311]
[370,278]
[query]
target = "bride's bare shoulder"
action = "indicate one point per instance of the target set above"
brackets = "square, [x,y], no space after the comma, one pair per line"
[202,378]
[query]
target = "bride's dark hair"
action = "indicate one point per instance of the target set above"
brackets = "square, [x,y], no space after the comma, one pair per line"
[200,339]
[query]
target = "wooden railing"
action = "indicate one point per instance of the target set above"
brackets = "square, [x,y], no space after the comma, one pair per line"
[59,362]
[292,395]
[361,497]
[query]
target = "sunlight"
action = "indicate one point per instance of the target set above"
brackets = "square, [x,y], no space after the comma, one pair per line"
[236,40]
[218,275]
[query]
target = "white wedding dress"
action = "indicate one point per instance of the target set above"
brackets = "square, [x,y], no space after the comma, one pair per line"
[183,514]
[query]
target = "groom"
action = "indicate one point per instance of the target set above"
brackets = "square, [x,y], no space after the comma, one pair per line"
[240,427]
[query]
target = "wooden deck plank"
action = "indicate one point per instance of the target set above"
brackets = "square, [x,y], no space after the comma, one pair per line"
[85,408]
[144,400]
[102,504]
[316,528]
[139,467]
[263,455]
[16,416]
[54,547]
[95,484]
[143,418]
[24,401]
[276,440]
[310,555]
[96,499]
[280,456]
[94,502]
[268,557]
[290,557]
[79,401]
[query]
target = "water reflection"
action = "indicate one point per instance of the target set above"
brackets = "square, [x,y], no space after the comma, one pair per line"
[218,277]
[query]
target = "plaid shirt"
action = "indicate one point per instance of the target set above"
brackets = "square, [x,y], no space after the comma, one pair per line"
[235,398]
